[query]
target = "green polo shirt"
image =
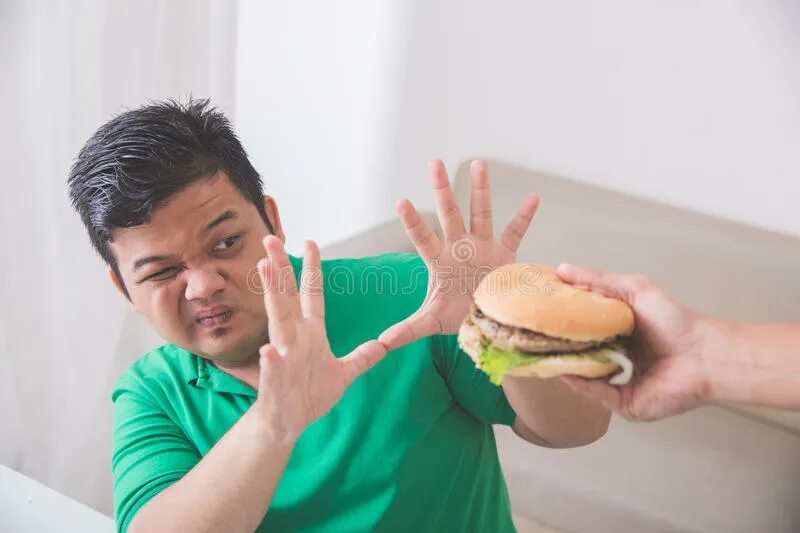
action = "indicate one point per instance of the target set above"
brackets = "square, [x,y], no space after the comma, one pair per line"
[409,447]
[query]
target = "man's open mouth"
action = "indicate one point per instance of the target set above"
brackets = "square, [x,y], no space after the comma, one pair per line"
[216,320]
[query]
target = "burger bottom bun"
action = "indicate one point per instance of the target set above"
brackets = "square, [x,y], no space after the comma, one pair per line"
[469,338]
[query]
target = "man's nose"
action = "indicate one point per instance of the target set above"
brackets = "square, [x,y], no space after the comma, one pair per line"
[203,282]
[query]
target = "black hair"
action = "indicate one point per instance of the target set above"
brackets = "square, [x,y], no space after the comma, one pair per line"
[142,157]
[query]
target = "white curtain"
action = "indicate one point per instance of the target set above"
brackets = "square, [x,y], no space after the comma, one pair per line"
[65,333]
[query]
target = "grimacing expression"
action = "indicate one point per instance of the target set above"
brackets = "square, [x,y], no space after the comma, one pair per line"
[191,272]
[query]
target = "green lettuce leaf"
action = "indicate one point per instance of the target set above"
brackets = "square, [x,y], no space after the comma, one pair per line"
[496,362]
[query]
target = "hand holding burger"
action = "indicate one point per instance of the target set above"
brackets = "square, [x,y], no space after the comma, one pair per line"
[685,359]
[526,322]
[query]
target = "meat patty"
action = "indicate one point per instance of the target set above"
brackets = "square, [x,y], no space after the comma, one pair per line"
[509,337]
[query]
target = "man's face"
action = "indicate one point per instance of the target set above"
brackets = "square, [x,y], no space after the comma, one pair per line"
[191,271]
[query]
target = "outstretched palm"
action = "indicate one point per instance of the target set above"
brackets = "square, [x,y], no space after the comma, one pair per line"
[458,263]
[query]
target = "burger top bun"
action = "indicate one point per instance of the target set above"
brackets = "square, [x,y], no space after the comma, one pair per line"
[532,296]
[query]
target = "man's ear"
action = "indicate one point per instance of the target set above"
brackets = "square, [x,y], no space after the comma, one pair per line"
[118,284]
[271,207]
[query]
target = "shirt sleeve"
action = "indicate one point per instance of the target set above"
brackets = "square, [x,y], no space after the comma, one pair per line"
[149,451]
[470,386]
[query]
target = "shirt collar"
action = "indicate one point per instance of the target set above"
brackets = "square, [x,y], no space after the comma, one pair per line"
[212,378]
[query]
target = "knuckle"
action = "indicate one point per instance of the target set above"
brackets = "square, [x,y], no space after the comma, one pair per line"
[450,210]
[287,315]
[512,235]
[631,413]
[640,283]
[426,238]
[415,225]
[636,412]
[482,214]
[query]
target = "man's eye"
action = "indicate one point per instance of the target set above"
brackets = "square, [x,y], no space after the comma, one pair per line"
[162,274]
[227,243]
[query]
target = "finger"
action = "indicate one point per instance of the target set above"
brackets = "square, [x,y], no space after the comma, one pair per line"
[422,236]
[615,285]
[596,389]
[311,299]
[280,293]
[516,229]
[480,209]
[269,361]
[419,325]
[446,205]
[362,359]
[285,279]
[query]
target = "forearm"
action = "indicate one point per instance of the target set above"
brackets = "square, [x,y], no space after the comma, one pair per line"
[757,364]
[549,414]
[230,489]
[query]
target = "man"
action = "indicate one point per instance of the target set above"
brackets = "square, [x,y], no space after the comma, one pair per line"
[685,360]
[259,412]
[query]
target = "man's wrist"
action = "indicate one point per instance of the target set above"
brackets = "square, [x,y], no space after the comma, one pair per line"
[266,432]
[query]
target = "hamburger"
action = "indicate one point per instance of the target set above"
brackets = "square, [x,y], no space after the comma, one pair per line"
[524,321]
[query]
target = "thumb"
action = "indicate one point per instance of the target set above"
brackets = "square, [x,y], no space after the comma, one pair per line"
[419,325]
[362,359]
[615,285]
[398,335]
[268,362]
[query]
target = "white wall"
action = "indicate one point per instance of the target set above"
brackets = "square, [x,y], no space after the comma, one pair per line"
[690,103]
[316,82]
